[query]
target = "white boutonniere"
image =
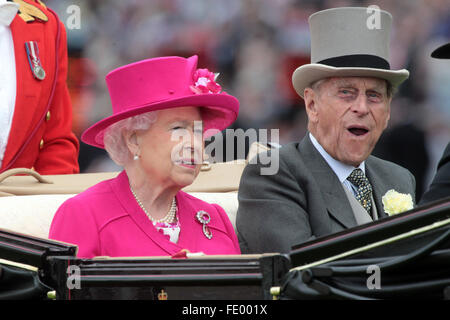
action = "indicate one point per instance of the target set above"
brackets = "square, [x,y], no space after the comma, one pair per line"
[395,202]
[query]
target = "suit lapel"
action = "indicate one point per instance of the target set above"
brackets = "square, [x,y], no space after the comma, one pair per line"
[361,215]
[333,193]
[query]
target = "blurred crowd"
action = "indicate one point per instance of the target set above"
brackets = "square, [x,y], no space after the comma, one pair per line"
[255,45]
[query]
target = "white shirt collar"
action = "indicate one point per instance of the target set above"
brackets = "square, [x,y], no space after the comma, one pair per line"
[342,170]
[8,11]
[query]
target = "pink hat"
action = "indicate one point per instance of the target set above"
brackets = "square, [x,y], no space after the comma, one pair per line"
[163,83]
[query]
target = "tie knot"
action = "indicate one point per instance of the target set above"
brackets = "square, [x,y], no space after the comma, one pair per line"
[358,178]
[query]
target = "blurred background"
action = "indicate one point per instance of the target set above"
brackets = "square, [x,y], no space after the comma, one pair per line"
[256,45]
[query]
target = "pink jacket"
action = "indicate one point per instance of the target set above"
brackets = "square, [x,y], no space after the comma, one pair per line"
[105,220]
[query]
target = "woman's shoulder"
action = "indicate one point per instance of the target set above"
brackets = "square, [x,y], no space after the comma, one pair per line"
[98,203]
[99,199]
[105,188]
[96,191]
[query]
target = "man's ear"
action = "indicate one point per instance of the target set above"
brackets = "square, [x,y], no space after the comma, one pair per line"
[310,98]
[388,117]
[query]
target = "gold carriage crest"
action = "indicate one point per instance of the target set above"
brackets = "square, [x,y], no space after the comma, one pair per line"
[162,295]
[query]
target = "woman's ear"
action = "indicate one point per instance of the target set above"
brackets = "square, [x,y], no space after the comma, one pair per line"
[131,141]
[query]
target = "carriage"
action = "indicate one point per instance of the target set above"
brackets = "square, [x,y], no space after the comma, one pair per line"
[406,256]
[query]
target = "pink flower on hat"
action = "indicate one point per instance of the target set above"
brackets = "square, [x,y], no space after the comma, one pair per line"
[205,82]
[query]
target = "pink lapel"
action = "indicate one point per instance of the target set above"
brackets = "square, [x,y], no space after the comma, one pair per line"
[122,190]
[191,230]
[191,233]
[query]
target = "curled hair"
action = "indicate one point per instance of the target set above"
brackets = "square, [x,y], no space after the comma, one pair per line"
[114,141]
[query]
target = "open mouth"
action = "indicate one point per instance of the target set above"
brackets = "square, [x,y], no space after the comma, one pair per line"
[358,131]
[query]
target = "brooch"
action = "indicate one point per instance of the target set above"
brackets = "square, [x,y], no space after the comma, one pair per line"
[204,218]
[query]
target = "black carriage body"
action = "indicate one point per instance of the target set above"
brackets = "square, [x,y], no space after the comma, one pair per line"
[31,267]
[412,251]
[406,256]
[212,278]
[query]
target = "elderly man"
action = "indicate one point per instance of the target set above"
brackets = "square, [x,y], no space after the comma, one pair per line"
[329,181]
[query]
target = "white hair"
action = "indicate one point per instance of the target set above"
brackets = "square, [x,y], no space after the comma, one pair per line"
[114,141]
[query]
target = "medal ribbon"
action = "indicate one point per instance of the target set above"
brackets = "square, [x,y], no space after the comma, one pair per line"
[33,58]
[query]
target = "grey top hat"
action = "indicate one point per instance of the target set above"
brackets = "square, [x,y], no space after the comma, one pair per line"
[348,42]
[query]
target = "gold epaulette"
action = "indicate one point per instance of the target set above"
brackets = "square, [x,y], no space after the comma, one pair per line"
[29,12]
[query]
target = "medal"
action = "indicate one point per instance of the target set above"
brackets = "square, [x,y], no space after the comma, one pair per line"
[204,218]
[34,60]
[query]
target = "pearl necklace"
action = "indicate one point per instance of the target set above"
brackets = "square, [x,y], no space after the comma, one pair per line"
[169,216]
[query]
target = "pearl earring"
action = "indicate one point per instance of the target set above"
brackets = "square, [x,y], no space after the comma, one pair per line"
[136,157]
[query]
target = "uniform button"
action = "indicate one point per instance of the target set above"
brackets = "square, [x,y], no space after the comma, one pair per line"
[41,144]
[47,116]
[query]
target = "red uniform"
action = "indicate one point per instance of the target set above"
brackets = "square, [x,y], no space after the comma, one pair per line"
[41,134]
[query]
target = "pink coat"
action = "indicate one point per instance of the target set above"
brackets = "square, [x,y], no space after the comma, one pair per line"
[105,220]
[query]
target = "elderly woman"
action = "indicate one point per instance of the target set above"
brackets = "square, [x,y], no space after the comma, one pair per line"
[162,110]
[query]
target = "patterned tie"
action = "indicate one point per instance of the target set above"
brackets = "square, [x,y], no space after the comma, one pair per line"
[364,193]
